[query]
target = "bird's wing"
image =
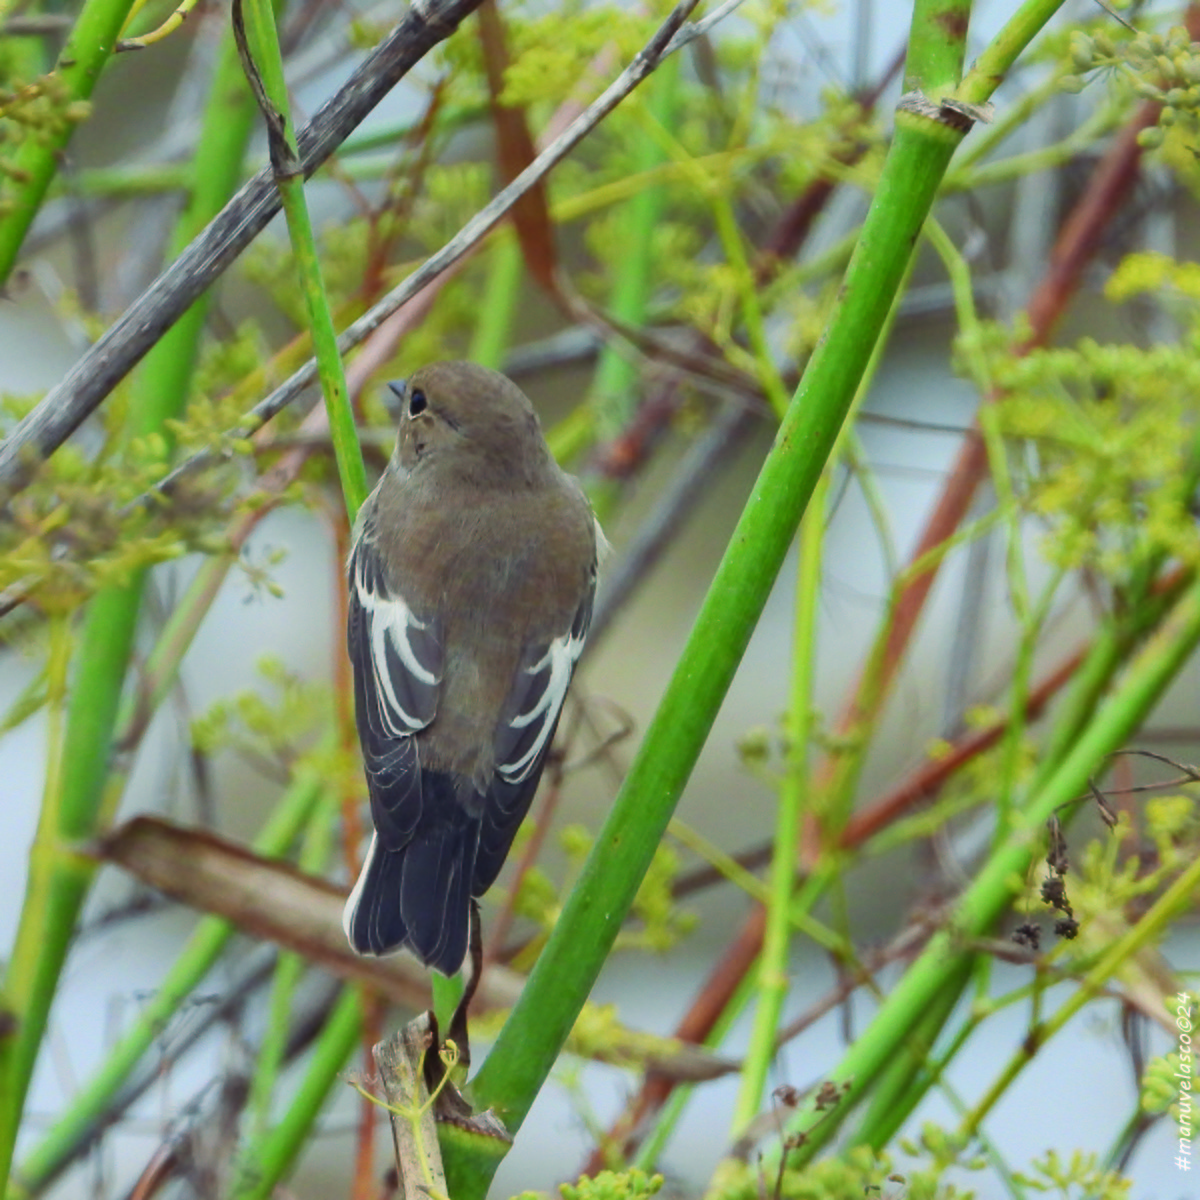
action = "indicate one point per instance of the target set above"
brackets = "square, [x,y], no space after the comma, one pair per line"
[537,695]
[524,735]
[397,659]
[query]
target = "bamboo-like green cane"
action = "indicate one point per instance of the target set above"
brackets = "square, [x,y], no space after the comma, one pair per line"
[905,1080]
[920,152]
[59,879]
[530,1041]
[25,178]
[262,42]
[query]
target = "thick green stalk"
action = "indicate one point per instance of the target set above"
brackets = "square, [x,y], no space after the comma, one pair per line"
[530,1041]
[935,46]
[262,39]
[907,1078]
[204,947]
[51,881]
[991,891]
[59,879]
[25,177]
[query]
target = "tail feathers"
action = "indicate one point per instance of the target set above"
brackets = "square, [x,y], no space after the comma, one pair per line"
[416,898]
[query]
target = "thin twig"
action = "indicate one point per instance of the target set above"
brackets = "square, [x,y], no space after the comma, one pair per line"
[643,64]
[65,407]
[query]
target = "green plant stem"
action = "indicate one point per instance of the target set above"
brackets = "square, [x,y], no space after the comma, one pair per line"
[935,46]
[205,945]
[28,173]
[53,899]
[262,39]
[537,1028]
[289,969]
[749,302]
[58,877]
[493,329]
[990,892]
[1004,49]
[907,1078]
[772,968]
[1046,158]
[615,382]
[268,1159]
[1177,899]
[858,462]
[54,881]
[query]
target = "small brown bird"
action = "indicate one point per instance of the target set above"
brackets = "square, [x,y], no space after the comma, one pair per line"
[471,585]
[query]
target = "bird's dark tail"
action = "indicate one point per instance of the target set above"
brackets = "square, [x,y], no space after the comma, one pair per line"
[418,897]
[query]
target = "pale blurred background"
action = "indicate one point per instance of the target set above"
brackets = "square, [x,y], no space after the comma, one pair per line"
[1081,1087]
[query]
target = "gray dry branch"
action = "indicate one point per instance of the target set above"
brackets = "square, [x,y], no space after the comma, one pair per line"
[126,342]
[670,36]
[414,1131]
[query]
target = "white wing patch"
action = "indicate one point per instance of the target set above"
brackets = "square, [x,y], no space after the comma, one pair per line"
[390,627]
[551,676]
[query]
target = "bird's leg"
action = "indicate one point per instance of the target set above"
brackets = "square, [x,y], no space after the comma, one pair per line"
[449,1104]
[458,1023]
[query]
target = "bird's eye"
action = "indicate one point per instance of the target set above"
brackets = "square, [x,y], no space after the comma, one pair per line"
[417,403]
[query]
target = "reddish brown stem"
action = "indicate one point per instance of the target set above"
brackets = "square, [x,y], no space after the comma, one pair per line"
[1077,242]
